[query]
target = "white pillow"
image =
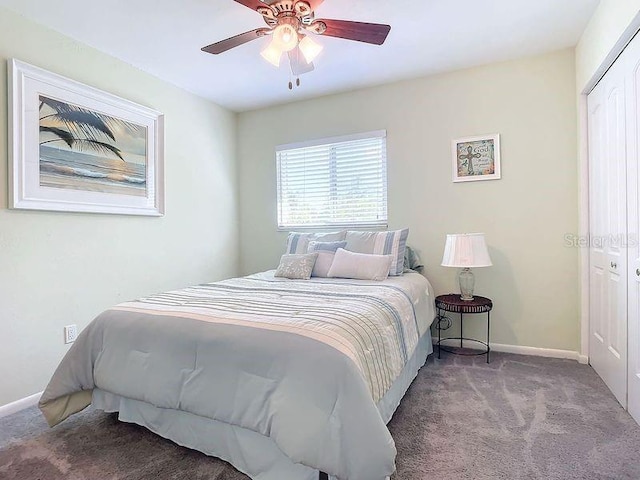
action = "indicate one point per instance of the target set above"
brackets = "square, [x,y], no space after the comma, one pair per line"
[326,251]
[381,243]
[360,266]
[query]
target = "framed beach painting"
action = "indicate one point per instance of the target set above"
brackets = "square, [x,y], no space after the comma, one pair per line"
[476,158]
[74,148]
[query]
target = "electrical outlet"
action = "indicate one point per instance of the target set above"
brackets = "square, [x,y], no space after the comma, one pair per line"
[70,333]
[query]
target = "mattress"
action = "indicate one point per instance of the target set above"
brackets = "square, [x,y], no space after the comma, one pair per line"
[281,378]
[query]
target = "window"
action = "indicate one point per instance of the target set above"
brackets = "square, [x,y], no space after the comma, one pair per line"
[335,182]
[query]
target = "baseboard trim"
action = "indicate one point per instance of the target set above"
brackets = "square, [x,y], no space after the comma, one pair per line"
[18,405]
[523,350]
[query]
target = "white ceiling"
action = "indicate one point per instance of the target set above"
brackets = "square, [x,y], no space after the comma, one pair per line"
[164,37]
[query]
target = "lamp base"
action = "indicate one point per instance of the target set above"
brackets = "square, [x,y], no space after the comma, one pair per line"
[467,282]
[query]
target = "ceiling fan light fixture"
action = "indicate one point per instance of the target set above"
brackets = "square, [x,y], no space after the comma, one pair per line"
[285,37]
[292,25]
[310,49]
[272,54]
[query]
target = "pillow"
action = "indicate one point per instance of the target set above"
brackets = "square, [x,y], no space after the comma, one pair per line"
[299,242]
[360,266]
[412,261]
[297,267]
[381,243]
[326,252]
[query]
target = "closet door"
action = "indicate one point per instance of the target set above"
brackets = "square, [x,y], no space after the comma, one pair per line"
[597,228]
[631,58]
[608,255]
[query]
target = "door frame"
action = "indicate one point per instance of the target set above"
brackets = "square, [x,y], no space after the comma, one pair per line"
[583,174]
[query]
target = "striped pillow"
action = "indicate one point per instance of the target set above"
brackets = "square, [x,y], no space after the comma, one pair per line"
[298,243]
[391,243]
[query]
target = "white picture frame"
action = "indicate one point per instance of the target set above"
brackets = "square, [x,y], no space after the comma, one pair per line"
[74,148]
[476,158]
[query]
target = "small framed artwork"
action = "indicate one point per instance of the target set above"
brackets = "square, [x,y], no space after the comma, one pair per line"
[476,158]
[74,148]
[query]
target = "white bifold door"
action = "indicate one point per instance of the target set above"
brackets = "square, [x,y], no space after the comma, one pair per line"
[608,199]
[631,60]
[614,209]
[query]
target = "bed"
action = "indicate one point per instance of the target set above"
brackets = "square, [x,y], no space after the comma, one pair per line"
[284,379]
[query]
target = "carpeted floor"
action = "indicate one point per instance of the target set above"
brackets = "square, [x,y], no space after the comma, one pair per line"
[516,418]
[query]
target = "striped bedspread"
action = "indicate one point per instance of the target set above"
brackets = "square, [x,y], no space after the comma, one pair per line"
[300,363]
[374,325]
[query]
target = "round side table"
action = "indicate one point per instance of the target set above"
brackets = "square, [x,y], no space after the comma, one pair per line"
[453,303]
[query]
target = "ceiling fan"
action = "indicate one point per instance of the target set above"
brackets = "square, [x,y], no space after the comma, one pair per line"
[289,23]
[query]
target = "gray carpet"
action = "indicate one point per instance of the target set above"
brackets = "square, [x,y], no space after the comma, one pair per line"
[516,418]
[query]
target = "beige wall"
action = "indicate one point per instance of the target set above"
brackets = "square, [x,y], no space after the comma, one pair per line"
[609,22]
[62,268]
[531,103]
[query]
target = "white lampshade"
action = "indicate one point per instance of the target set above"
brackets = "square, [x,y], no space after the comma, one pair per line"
[466,250]
[285,37]
[310,49]
[272,54]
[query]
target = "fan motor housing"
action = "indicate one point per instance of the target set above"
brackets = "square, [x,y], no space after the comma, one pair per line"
[276,12]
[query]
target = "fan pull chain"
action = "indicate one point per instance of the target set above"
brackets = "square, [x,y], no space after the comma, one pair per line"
[291,70]
[291,83]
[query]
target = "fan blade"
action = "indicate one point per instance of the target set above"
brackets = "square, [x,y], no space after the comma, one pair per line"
[299,64]
[233,42]
[374,33]
[252,4]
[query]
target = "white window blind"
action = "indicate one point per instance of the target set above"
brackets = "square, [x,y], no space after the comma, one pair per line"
[334,182]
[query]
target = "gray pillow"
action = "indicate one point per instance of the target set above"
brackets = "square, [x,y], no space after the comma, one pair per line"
[296,266]
[412,261]
[299,242]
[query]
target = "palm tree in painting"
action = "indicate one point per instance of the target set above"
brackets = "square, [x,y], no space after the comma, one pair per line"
[79,128]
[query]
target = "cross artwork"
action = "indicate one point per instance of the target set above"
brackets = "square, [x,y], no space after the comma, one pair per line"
[467,159]
[476,158]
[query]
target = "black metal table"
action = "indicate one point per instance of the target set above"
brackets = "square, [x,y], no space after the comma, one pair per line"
[453,303]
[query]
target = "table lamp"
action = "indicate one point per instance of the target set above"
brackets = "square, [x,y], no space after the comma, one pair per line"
[466,251]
